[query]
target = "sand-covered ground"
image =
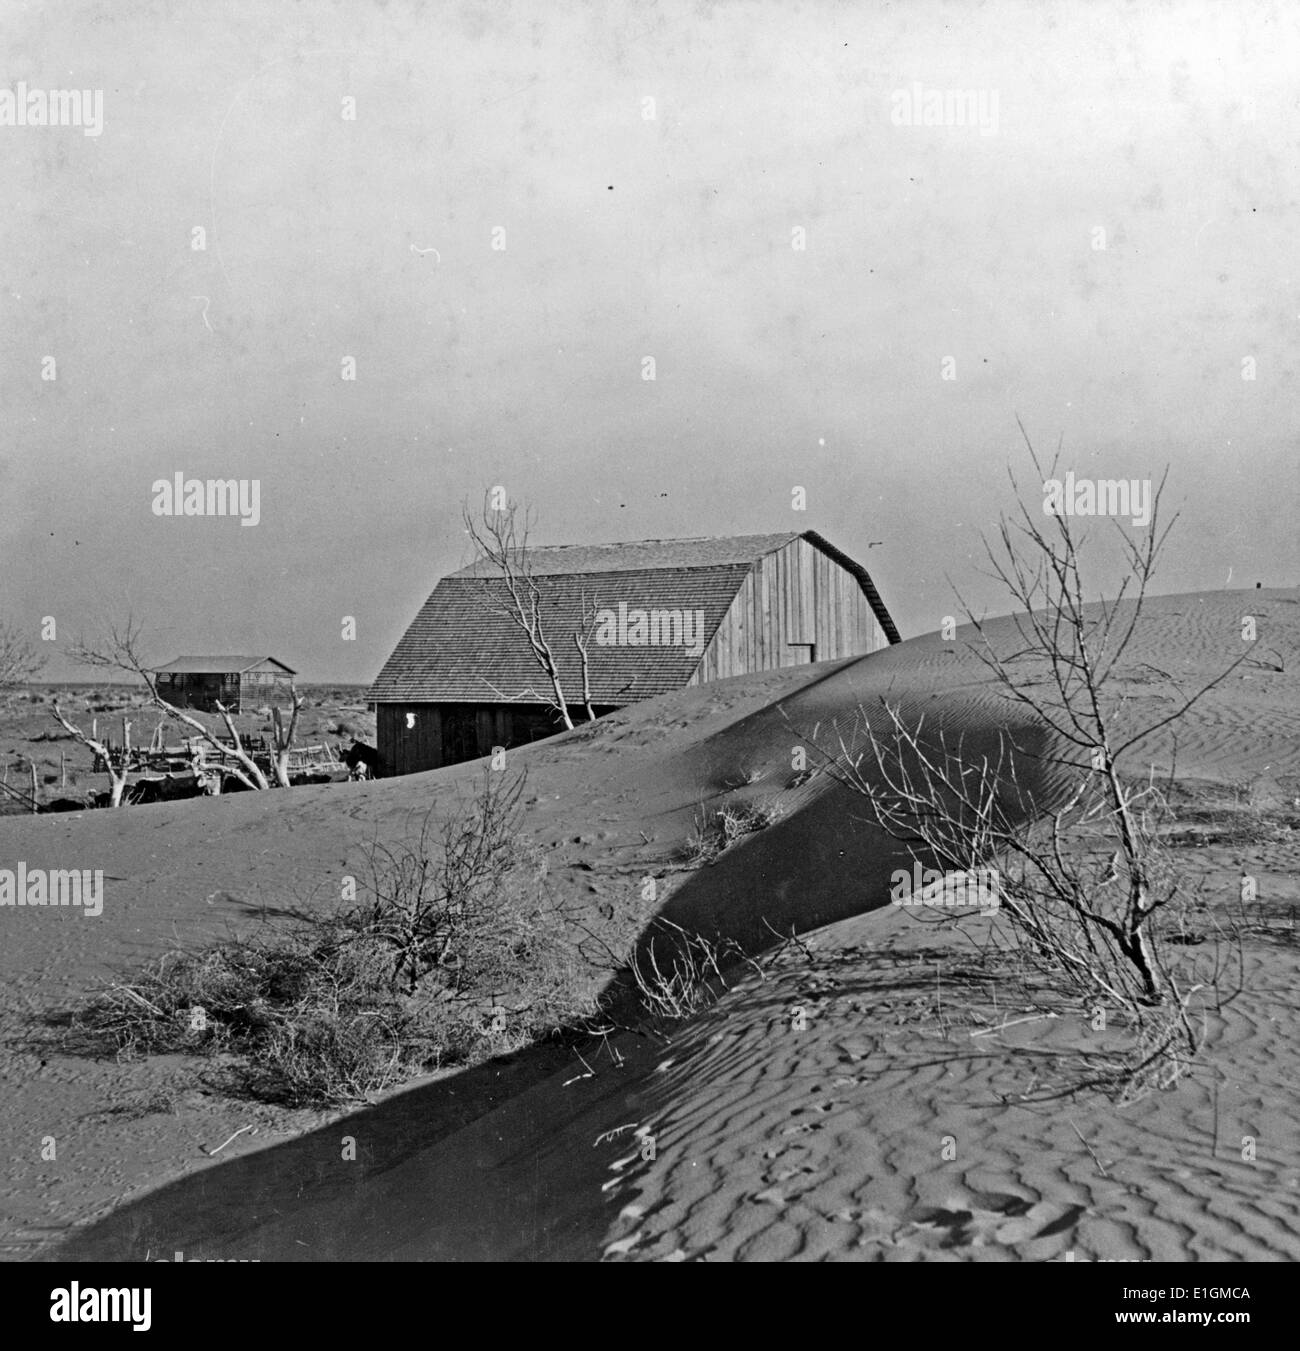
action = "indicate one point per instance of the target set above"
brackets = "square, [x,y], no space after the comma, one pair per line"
[834,1107]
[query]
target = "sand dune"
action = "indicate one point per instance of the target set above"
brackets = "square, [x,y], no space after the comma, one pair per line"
[745,1138]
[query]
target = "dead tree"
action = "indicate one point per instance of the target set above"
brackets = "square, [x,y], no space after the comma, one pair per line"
[511,589]
[117,774]
[121,652]
[282,740]
[19,660]
[1061,668]
[1087,922]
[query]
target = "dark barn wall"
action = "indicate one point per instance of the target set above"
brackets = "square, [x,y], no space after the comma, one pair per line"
[449,733]
[407,750]
[796,604]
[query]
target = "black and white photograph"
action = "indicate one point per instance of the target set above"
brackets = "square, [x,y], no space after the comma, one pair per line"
[649,632]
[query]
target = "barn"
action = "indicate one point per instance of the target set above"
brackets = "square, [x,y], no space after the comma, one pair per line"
[656,615]
[238,683]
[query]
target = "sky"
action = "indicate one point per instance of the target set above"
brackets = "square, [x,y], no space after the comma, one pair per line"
[492,215]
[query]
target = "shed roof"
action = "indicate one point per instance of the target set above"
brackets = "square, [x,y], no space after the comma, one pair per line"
[222,665]
[461,648]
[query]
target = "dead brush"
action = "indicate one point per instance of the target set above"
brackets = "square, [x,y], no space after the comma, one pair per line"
[711,834]
[750,818]
[452,955]
[687,978]
[704,843]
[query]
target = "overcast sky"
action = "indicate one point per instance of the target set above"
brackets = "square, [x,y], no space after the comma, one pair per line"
[631,229]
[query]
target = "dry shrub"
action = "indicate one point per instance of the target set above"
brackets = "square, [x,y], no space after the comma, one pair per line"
[451,955]
[711,833]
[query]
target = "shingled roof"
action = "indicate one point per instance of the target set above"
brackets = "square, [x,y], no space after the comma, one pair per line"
[460,649]
[218,665]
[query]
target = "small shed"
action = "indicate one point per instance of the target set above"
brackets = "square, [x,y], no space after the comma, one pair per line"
[238,683]
[659,615]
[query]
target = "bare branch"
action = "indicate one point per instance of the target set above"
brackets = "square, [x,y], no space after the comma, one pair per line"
[499,542]
[19,659]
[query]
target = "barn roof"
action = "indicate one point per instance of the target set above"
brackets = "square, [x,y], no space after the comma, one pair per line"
[461,649]
[553,560]
[219,665]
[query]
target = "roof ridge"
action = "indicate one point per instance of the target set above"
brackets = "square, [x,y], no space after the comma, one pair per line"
[671,539]
[673,553]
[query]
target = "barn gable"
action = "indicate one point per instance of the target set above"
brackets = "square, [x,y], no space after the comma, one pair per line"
[800,603]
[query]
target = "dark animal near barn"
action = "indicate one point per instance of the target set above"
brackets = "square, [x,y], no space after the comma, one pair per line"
[363,762]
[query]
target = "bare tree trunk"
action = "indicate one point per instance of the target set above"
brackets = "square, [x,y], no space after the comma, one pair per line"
[580,641]
[581,645]
[117,776]
[553,674]
[283,742]
[252,774]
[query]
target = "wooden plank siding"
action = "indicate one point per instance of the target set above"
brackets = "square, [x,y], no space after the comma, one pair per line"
[793,598]
[407,750]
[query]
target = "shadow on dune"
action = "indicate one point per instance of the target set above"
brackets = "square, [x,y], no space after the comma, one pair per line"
[826,859]
[427,1183]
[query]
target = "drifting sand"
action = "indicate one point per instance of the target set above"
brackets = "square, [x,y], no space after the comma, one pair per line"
[869,1133]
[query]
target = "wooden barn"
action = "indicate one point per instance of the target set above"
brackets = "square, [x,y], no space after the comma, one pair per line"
[657,616]
[240,683]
